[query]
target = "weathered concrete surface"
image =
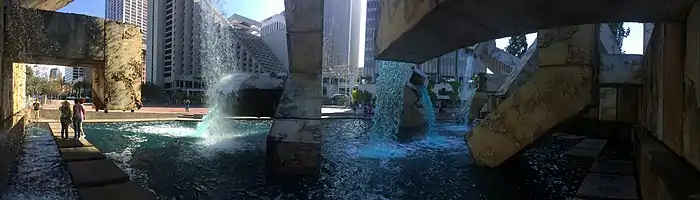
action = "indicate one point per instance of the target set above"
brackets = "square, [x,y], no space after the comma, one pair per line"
[417,31]
[560,88]
[95,173]
[413,115]
[294,141]
[490,50]
[123,69]
[121,191]
[620,69]
[660,172]
[112,48]
[523,71]
[50,5]
[605,186]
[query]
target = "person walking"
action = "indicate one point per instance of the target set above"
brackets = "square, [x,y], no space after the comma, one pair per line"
[78,117]
[66,118]
[187,105]
[36,107]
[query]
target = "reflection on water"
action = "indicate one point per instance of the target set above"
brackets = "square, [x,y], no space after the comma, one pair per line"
[40,174]
[161,156]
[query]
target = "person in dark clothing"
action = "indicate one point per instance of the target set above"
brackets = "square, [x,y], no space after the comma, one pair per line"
[66,118]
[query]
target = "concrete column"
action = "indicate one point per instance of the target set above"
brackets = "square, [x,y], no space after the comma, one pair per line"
[648,28]
[294,141]
[673,60]
[560,88]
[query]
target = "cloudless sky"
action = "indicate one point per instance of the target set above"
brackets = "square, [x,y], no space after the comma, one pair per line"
[261,9]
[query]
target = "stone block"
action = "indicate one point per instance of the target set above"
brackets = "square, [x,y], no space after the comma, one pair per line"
[40,36]
[123,70]
[413,115]
[296,130]
[71,143]
[601,186]
[591,144]
[293,158]
[566,46]
[304,16]
[566,88]
[95,173]
[618,167]
[122,191]
[621,69]
[81,154]
[489,148]
[522,72]
[305,52]
[301,97]
[583,153]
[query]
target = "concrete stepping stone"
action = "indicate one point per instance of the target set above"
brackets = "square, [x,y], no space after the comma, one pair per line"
[591,144]
[584,153]
[604,186]
[127,190]
[71,143]
[618,167]
[81,154]
[96,173]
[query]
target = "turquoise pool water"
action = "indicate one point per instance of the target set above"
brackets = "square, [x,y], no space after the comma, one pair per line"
[176,162]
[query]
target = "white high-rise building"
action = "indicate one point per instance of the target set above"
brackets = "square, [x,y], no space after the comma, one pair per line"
[132,12]
[129,11]
[175,37]
[274,34]
[77,74]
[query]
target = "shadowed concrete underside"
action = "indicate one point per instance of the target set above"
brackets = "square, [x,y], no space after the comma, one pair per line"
[417,31]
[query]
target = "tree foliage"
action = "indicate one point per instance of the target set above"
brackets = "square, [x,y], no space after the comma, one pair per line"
[517,45]
[619,32]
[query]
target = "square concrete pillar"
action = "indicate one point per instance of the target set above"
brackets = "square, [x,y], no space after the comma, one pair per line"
[294,141]
[671,87]
[691,119]
[560,88]
[123,68]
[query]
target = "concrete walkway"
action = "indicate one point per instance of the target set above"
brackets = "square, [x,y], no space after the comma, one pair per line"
[93,175]
[606,179]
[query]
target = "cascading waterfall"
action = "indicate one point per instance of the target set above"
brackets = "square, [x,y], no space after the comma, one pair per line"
[429,110]
[216,42]
[389,105]
[468,90]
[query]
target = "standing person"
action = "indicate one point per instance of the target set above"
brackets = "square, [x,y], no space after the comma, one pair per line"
[36,107]
[66,118]
[78,117]
[187,105]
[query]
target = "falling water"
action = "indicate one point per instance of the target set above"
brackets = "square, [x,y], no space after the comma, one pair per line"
[429,110]
[389,105]
[216,42]
[468,90]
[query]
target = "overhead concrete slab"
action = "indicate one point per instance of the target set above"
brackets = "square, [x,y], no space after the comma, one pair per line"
[50,5]
[417,31]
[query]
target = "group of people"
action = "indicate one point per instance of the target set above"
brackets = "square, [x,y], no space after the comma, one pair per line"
[72,116]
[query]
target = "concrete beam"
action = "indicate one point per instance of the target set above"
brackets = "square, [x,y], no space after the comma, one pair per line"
[294,141]
[560,88]
[50,5]
[417,31]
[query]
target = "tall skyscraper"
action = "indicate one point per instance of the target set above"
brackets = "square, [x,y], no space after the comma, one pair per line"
[176,35]
[78,74]
[341,18]
[370,69]
[132,12]
[55,74]
[129,11]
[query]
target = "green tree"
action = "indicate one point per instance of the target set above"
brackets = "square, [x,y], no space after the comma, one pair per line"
[34,84]
[619,32]
[517,45]
[51,88]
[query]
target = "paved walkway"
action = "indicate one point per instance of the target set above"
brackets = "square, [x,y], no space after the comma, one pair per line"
[95,176]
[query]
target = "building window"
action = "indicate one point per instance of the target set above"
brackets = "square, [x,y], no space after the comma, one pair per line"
[167,75]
